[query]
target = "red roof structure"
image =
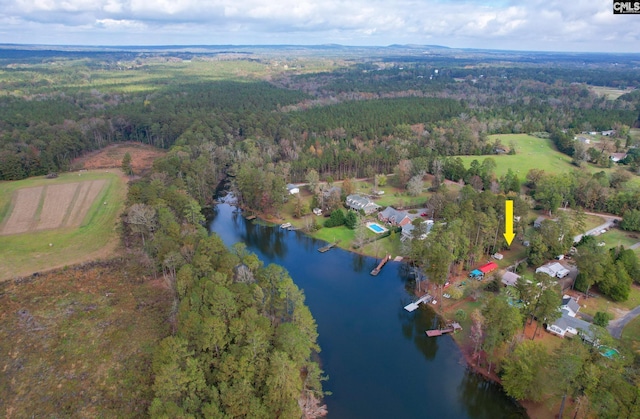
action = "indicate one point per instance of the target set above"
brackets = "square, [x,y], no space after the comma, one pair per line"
[488,267]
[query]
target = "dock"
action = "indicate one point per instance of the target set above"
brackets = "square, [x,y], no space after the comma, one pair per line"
[328,247]
[378,268]
[251,217]
[414,306]
[439,332]
[285,225]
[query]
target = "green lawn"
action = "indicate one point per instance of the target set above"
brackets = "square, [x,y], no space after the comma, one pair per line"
[531,153]
[23,254]
[601,303]
[631,335]
[534,153]
[616,237]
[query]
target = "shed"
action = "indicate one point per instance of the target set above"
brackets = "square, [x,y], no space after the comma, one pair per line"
[510,279]
[488,267]
[475,273]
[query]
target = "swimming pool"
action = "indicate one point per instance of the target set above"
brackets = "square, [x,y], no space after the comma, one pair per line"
[376,228]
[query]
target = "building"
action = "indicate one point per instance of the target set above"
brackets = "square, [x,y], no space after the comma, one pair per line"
[408,230]
[483,270]
[608,133]
[357,202]
[510,279]
[554,270]
[293,189]
[395,217]
[568,324]
[616,157]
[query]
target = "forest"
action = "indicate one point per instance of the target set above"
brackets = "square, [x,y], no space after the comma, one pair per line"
[243,340]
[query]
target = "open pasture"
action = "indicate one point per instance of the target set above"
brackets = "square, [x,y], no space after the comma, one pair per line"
[609,92]
[531,153]
[47,223]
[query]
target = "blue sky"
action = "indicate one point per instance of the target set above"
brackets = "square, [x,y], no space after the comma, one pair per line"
[544,25]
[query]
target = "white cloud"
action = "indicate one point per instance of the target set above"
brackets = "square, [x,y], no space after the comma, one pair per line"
[535,24]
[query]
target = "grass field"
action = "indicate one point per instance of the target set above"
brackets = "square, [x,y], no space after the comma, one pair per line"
[534,153]
[616,237]
[631,335]
[531,153]
[94,237]
[609,92]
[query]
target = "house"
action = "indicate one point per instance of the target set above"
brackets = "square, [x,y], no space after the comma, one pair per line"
[317,211]
[334,190]
[570,305]
[538,222]
[571,326]
[510,278]
[394,217]
[554,269]
[408,229]
[609,133]
[293,189]
[616,157]
[357,202]
[584,140]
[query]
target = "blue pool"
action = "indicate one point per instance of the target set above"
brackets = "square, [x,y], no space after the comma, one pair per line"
[376,228]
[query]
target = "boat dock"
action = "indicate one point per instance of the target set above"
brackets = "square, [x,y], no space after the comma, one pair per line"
[251,217]
[414,306]
[378,268]
[439,332]
[285,225]
[328,247]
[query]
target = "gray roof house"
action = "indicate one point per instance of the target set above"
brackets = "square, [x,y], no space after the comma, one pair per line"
[510,278]
[357,202]
[570,305]
[571,326]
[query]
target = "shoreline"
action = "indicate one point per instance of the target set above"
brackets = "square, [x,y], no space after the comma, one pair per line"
[466,352]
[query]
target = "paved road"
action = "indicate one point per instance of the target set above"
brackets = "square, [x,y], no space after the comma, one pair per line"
[615,326]
[634,246]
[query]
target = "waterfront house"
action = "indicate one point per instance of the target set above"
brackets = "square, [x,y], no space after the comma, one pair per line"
[358,202]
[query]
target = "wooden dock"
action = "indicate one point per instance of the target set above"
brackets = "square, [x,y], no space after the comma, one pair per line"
[378,268]
[251,217]
[328,247]
[439,332]
[414,306]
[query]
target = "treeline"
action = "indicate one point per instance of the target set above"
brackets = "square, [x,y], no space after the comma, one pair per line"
[243,339]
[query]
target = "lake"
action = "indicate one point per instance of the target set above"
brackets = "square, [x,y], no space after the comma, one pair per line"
[379,361]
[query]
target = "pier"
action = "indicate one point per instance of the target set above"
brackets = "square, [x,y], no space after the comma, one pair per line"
[414,306]
[328,247]
[439,332]
[378,268]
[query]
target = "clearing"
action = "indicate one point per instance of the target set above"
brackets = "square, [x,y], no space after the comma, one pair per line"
[78,342]
[49,223]
[142,157]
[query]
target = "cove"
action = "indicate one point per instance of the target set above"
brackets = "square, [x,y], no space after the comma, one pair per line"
[379,361]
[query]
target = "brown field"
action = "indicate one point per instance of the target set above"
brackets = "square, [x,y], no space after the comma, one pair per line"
[25,206]
[63,205]
[89,192]
[142,157]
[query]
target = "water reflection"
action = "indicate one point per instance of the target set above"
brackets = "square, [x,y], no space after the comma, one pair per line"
[379,361]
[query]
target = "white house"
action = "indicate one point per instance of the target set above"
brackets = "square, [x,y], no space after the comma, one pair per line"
[293,189]
[570,305]
[357,202]
[554,269]
[567,325]
[616,157]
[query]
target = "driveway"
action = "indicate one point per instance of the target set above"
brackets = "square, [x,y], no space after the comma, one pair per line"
[615,326]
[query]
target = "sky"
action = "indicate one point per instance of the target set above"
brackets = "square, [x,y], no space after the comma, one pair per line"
[534,25]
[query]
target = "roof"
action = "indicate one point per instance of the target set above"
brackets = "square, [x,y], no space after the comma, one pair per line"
[566,321]
[392,214]
[475,272]
[510,278]
[618,156]
[552,269]
[539,220]
[570,303]
[488,267]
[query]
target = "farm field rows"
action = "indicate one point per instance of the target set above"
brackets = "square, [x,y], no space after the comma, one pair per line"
[47,223]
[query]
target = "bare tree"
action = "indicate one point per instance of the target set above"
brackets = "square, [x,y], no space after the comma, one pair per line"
[141,219]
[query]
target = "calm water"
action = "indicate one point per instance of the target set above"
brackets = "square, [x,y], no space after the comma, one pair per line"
[379,361]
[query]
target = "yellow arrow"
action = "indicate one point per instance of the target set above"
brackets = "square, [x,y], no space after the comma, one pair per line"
[508,222]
